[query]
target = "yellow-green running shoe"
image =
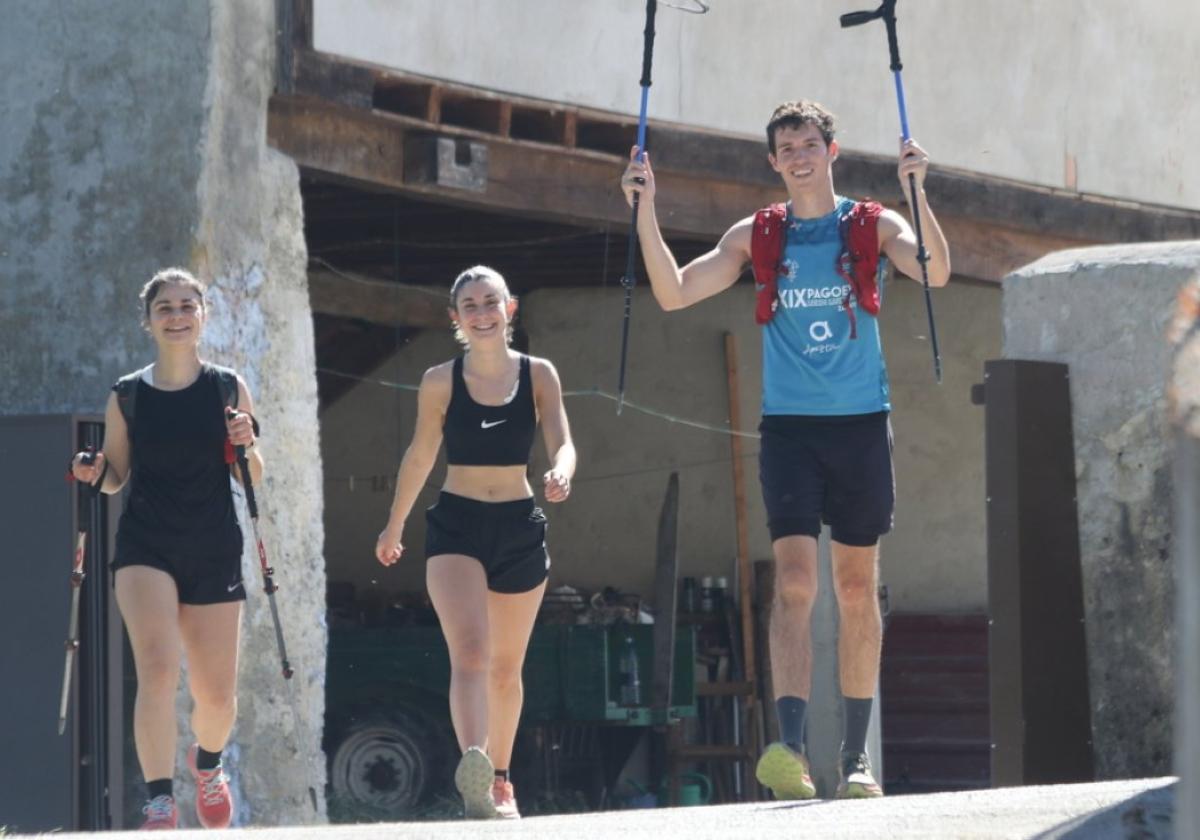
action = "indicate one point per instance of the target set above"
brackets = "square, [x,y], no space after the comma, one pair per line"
[857,781]
[785,772]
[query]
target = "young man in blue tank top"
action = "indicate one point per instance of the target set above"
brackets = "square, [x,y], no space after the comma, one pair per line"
[826,439]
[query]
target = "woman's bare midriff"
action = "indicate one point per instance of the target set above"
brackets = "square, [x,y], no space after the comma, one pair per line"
[488,484]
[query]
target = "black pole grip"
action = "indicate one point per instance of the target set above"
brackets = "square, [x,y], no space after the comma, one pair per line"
[889,20]
[243,465]
[648,47]
[857,18]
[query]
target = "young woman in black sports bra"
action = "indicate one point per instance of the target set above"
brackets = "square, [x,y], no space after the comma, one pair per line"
[485,542]
[178,563]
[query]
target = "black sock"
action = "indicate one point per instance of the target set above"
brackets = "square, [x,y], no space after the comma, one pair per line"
[790,711]
[160,787]
[858,716]
[206,760]
[502,775]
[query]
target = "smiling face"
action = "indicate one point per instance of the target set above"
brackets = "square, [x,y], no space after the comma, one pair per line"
[175,315]
[483,309]
[802,157]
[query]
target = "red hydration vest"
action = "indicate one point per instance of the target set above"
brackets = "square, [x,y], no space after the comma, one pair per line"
[858,263]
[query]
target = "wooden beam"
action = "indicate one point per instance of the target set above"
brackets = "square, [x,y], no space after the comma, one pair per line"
[348,295]
[580,186]
[715,156]
[741,531]
[1057,214]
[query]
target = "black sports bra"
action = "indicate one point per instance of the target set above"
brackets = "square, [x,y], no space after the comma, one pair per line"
[490,435]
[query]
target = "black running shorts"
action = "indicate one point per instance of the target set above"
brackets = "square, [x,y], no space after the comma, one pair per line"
[836,470]
[508,538]
[201,578]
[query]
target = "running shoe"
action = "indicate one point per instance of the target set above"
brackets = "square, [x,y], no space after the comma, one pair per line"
[214,803]
[161,814]
[473,778]
[857,781]
[785,772]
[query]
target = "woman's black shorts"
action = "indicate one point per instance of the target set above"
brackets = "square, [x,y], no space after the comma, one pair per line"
[508,538]
[201,577]
[836,470]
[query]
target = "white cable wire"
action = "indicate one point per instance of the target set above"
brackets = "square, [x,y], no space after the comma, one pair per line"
[590,392]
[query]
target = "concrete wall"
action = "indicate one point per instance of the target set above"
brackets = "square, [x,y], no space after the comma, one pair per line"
[604,534]
[1185,411]
[1104,311]
[132,137]
[1039,92]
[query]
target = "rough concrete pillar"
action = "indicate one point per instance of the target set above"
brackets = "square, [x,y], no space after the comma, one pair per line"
[249,245]
[132,136]
[1103,311]
[1184,405]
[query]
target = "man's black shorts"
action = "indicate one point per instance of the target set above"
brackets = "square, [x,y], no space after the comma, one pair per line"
[836,470]
[200,577]
[508,538]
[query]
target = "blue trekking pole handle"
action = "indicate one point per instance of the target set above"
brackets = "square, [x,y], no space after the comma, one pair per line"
[629,278]
[887,12]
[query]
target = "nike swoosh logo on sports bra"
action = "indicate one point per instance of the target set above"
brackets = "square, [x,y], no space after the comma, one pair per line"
[483,424]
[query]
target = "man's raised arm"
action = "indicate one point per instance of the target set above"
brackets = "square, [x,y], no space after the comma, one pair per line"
[703,277]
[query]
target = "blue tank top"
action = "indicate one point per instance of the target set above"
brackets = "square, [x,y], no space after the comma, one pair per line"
[811,365]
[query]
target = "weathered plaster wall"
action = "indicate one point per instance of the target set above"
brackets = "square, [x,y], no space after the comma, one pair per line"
[1023,89]
[99,163]
[1103,311]
[132,136]
[1185,410]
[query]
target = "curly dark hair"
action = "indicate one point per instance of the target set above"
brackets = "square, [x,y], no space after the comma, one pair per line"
[174,275]
[799,113]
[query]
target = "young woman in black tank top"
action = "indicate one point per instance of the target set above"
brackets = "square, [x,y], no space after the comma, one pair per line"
[178,567]
[485,543]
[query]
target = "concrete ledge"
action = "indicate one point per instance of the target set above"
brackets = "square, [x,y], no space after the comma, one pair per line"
[1141,808]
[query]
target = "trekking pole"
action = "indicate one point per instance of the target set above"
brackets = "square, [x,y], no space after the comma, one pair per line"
[629,278]
[887,12]
[268,573]
[77,576]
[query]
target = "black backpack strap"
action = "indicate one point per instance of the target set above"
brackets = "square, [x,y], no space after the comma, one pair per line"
[126,391]
[227,384]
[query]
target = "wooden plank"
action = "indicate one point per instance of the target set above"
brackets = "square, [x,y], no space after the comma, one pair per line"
[504,127]
[745,574]
[379,302]
[433,108]
[570,129]
[977,197]
[580,186]
[325,77]
[708,155]
[665,568]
